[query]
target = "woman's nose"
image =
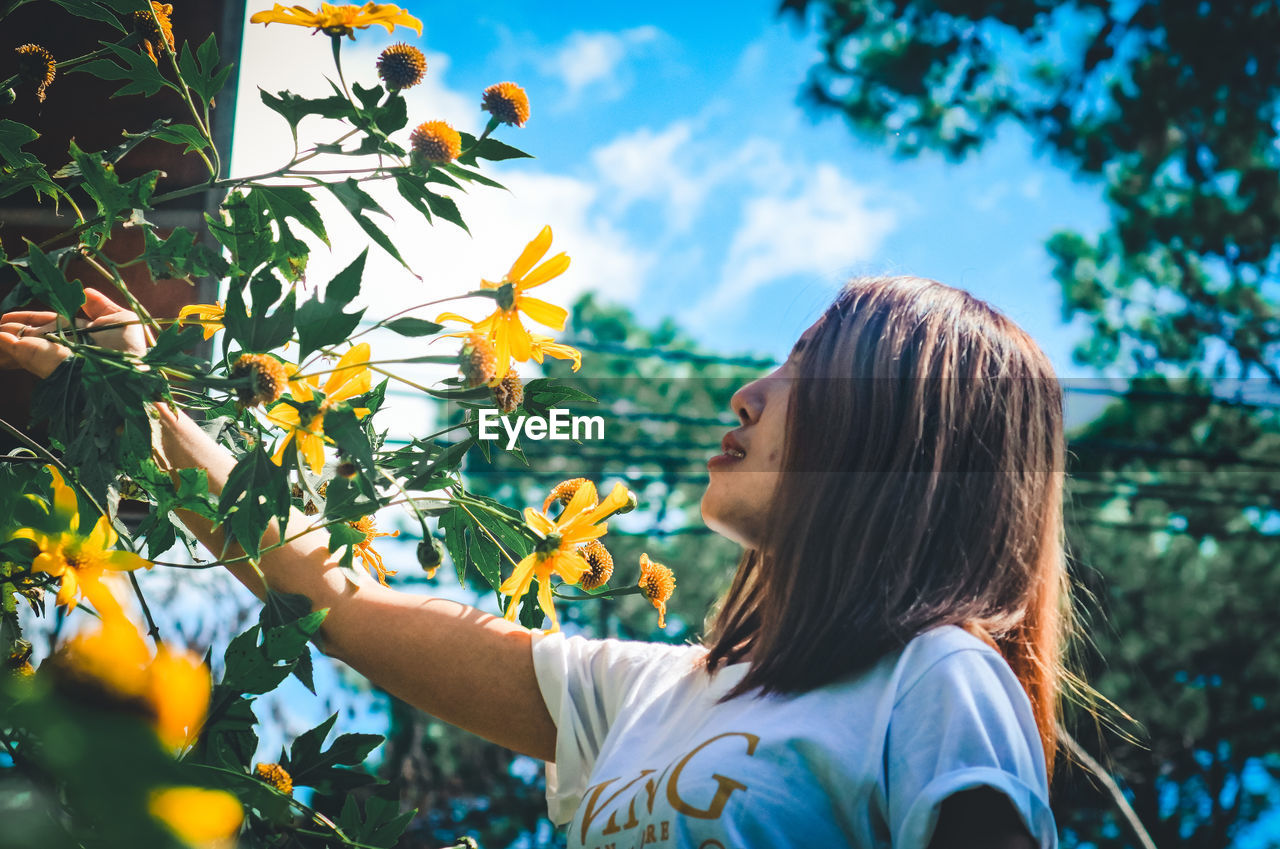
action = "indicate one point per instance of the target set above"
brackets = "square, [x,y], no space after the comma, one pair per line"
[748,401]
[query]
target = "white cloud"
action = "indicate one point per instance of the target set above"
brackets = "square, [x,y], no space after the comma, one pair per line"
[596,60]
[826,225]
[679,170]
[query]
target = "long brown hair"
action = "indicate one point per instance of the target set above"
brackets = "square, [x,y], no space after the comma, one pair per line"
[922,486]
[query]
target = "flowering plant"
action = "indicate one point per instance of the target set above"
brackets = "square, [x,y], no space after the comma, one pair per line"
[292,389]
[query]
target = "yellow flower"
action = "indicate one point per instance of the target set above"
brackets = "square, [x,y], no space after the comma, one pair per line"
[401,66]
[540,346]
[478,360]
[275,775]
[503,326]
[111,667]
[207,315]
[557,551]
[350,377]
[658,583]
[153,37]
[340,20]
[436,141]
[509,393]
[265,378]
[599,565]
[37,66]
[371,559]
[201,818]
[507,102]
[563,492]
[81,560]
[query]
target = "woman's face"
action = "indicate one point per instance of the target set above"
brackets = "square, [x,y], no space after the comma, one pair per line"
[745,475]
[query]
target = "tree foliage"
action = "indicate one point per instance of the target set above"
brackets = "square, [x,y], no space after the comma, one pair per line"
[1171,108]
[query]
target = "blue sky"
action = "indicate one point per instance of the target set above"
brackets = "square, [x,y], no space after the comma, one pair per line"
[676,168]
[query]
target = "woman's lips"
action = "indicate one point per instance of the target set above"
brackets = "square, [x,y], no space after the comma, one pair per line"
[731,452]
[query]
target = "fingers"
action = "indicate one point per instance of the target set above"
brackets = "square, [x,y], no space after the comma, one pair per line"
[33,353]
[29,317]
[98,305]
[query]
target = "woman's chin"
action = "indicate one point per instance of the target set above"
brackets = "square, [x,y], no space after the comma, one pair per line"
[720,519]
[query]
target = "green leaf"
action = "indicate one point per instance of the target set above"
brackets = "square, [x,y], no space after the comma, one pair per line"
[256,491]
[261,331]
[181,255]
[368,97]
[312,766]
[48,282]
[184,134]
[471,176]
[444,207]
[413,327]
[293,202]
[322,322]
[294,108]
[355,201]
[247,667]
[23,170]
[12,137]
[491,149]
[344,428]
[346,500]
[100,10]
[113,155]
[143,75]
[382,825]
[200,69]
[110,195]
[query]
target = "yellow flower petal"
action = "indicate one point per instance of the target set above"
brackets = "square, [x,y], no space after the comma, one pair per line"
[517,585]
[549,270]
[616,500]
[65,506]
[547,605]
[532,252]
[201,818]
[103,536]
[350,376]
[583,499]
[543,312]
[126,561]
[312,448]
[178,689]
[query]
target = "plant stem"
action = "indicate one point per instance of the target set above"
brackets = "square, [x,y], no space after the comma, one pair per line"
[336,42]
[146,610]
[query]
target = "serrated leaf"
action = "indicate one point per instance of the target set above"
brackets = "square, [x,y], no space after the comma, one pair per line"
[355,201]
[48,282]
[261,331]
[444,207]
[183,134]
[322,322]
[181,255]
[142,75]
[293,202]
[492,150]
[247,667]
[294,108]
[256,491]
[200,71]
[110,195]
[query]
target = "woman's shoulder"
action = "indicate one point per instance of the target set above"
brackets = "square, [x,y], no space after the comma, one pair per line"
[946,652]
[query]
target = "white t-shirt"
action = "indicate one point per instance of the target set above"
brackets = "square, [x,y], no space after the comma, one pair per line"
[645,756]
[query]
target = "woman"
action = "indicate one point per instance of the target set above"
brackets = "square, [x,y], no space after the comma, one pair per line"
[885,670]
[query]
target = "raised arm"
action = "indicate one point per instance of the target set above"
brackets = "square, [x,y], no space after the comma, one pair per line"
[455,662]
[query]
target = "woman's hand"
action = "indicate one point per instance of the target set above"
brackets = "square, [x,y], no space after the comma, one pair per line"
[23,343]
